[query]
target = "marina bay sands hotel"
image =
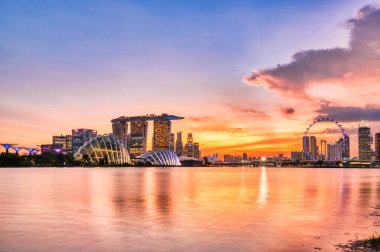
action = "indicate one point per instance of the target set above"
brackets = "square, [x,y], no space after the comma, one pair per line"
[135,139]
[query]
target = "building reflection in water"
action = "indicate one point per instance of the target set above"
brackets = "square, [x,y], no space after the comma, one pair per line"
[163,201]
[243,188]
[263,188]
[365,193]
[128,195]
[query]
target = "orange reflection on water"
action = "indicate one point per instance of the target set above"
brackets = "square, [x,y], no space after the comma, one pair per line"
[189,209]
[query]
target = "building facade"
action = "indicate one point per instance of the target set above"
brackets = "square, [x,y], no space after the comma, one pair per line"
[80,136]
[137,140]
[364,141]
[65,141]
[161,135]
[313,147]
[197,152]
[189,147]
[120,130]
[179,144]
[346,149]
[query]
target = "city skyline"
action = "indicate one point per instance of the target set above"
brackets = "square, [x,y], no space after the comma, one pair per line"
[71,66]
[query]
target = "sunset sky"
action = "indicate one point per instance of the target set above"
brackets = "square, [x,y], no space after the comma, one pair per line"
[248,76]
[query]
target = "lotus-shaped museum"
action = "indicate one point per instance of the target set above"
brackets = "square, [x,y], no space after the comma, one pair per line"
[103,149]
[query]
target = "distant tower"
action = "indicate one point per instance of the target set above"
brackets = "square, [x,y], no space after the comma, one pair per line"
[171,144]
[189,147]
[346,150]
[313,147]
[179,144]
[197,153]
[323,148]
[306,146]
[161,134]
[364,140]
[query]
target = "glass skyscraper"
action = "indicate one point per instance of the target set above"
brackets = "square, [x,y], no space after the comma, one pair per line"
[364,140]
[179,144]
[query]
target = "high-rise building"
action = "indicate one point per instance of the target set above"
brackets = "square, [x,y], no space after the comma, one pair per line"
[161,134]
[179,144]
[171,143]
[306,146]
[377,146]
[137,138]
[120,130]
[65,141]
[313,147]
[80,136]
[245,156]
[189,147]
[197,153]
[364,140]
[323,150]
[346,149]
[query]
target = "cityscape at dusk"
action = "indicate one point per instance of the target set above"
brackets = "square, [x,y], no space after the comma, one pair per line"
[135,125]
[242,83]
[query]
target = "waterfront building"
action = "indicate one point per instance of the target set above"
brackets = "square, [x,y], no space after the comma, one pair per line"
[161,134]
[377,146]
[245,156]
[65,141]
[197,153]
[80,136]
[179,144]
[120,130]
[189,147]
[137,139]
[364,141]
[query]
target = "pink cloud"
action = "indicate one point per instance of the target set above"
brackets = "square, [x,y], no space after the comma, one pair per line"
[355,65]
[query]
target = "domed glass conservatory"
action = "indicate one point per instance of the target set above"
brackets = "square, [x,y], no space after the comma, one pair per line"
[160,158]
[103,150]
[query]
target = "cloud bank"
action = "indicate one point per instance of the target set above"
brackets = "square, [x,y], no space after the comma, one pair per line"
[350,114]
[355,65]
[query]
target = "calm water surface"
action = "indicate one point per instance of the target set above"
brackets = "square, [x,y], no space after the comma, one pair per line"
[185,209]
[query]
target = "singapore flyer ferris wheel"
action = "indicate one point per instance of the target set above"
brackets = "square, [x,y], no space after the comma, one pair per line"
[343,142]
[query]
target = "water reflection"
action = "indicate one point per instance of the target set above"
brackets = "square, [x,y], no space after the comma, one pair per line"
[184,209]
[263,188]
